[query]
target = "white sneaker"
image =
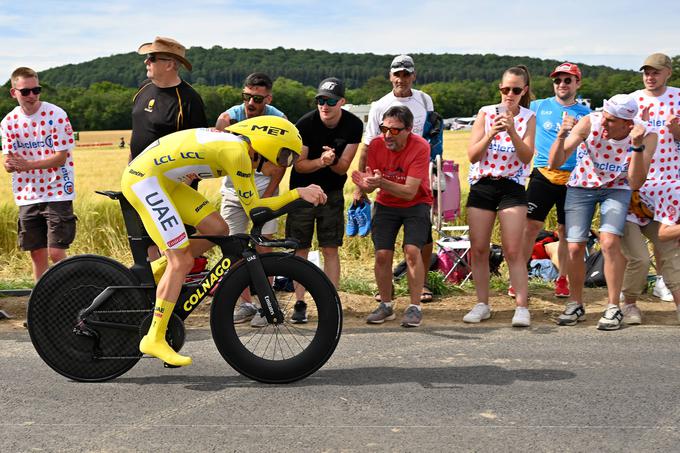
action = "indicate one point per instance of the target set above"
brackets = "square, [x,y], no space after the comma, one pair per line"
[611,319]
[259,320]
[522,317]
[661,291]
[478,313]
[632,314]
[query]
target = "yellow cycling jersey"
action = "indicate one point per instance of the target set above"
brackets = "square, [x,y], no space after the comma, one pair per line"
[154,181]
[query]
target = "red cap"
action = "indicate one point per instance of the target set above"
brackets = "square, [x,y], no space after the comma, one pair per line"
[569,68]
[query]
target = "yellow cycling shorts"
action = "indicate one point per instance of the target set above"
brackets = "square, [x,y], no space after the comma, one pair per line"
[165,206]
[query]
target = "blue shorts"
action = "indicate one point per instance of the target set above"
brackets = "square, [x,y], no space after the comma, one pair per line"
[579,208]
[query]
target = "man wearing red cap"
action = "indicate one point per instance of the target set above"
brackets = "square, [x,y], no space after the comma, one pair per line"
[659,107]
[547,187]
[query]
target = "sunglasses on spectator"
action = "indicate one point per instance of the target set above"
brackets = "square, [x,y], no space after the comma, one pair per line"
[393,130]
[515,90]
[330,102]
[258,99]
[27,91]
[153,57]
[566,80]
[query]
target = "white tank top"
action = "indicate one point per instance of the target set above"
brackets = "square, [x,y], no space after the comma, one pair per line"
[600,162]
[500,159]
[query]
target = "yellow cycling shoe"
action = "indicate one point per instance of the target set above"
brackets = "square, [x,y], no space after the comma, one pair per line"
[162,350]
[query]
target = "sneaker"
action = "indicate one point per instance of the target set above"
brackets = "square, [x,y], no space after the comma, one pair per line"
[631,314]
[511,292]
[412,317]
[363,218]
[352,228]
[522,317]
[661,291]
[572,314]
[562,287]
[245,312]
[381,314]
[299,313]
[611,319]
[259,320]
[478,313]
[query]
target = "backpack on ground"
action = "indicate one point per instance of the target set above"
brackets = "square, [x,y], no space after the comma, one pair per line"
[595,270]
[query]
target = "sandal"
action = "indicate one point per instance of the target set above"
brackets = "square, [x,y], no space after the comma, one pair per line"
[426,296]
[376,295]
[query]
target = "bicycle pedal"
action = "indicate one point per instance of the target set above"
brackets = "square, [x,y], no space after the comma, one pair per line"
[167,365]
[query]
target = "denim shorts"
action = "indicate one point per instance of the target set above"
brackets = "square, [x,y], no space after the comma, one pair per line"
[579,209]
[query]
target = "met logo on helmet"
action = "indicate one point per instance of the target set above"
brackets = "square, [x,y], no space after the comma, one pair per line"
[271,130]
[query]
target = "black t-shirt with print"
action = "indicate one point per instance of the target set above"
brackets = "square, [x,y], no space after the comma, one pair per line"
[315,135]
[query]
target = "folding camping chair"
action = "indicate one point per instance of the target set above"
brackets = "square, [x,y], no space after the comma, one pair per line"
[454,241]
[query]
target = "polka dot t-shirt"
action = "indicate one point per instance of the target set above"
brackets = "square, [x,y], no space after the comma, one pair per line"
[36,137]
[662,197]
[501,158]
[665,164]
[600,162]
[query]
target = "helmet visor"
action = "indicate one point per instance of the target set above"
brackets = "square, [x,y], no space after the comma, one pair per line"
[286,157]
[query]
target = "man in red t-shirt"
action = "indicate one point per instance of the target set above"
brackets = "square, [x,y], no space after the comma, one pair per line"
[398,165]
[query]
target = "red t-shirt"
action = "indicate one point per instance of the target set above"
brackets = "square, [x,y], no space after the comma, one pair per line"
[396,166]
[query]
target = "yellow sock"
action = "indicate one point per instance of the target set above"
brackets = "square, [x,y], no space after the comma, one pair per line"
[154,342]
[158,268]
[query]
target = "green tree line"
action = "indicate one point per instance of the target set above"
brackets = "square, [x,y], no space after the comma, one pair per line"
[106,104]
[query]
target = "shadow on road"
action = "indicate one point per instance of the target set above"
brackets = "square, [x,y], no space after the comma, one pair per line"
[434,378]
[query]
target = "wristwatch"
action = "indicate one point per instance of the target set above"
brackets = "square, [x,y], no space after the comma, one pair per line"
[637,149]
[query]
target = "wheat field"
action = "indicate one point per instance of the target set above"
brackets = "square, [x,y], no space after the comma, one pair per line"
[99,163]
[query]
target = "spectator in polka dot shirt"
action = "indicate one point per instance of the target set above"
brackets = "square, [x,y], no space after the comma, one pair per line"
[500,151]
[655,214]
[37,140]
[659,107]
[613,153]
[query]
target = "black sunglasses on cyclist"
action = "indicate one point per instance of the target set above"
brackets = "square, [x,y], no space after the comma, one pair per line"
[153,57]
[286,157]
[258,99]
[566,80]
[515,90]
[393,130]
[330,102]
[27,91]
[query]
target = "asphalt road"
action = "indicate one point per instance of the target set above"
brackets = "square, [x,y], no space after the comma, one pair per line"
[438,389]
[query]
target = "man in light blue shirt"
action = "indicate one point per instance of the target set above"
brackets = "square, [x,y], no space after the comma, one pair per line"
[547,188]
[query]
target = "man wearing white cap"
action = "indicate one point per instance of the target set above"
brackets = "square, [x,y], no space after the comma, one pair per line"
[658,106]
[402,76]
[613,157]
[165,103]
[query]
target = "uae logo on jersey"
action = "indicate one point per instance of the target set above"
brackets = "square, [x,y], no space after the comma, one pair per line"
[149,106]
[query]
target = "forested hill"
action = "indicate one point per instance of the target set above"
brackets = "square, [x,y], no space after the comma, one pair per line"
[220,66]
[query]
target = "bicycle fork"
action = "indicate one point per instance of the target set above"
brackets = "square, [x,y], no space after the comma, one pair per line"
[263,289]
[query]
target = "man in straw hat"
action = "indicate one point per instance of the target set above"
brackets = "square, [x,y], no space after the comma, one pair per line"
[165,103]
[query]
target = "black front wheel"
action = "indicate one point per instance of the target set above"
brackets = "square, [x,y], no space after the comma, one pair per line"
[278,353]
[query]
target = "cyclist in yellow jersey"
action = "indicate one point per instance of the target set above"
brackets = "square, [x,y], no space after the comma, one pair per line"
[153,184]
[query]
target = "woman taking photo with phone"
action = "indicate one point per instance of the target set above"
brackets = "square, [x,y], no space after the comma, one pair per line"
[500,151]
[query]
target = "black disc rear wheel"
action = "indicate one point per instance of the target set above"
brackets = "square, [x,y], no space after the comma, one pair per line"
[53,312]
[286,352]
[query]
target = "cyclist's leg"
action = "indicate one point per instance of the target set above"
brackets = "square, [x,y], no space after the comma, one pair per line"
[164,224]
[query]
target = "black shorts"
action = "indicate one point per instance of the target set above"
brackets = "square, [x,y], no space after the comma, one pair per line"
[496,194]
[46,225]
[542,195]
[387,221]
[329,219]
